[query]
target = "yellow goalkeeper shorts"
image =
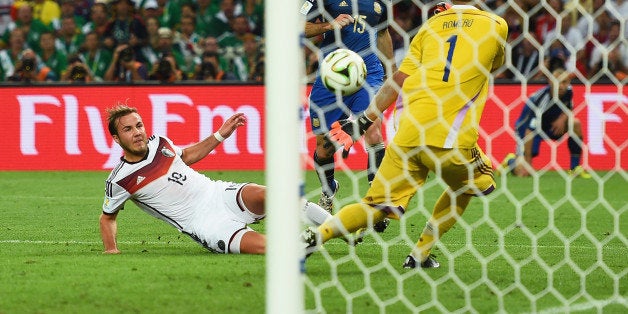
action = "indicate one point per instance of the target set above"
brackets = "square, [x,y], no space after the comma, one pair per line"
[405,169]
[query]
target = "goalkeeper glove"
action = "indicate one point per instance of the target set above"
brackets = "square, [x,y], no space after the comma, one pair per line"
[345,132]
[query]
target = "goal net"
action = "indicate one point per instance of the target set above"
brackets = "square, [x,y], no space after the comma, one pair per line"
[551,242]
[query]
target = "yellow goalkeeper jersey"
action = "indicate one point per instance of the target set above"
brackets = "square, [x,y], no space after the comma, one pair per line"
[449,64]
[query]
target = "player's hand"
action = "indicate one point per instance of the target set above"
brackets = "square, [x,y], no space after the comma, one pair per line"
[235,121]
[341,21]
[345,132]
[342,133]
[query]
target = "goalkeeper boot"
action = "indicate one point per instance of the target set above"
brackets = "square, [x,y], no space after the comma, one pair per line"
[381,226]
[327,201]
[356,237]
[310,239]
[430,262]
[579,172]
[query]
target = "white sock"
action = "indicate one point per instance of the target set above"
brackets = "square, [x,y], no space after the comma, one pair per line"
[314,214]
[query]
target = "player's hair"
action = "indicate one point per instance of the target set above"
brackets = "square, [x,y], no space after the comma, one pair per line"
[116,113]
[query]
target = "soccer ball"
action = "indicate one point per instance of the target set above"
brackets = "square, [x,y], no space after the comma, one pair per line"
[343,71]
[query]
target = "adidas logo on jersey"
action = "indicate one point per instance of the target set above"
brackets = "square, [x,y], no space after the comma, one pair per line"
[166,152]
[343,4]
[139,179]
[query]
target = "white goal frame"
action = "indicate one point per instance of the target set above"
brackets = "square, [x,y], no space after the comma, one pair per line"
[283,87]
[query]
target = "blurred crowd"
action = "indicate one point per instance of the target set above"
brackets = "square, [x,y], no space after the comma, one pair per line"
[131,40]
[222,40]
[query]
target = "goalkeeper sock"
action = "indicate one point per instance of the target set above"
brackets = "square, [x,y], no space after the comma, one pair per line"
[325,169]
[375,155]
[443,218]
[425,243]
[348,220]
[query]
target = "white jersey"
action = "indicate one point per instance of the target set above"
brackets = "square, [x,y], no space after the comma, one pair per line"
[165,187]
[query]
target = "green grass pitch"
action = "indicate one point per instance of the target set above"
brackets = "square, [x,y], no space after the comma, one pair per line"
[548,244]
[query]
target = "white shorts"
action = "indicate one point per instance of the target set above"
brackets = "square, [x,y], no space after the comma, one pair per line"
[220,229]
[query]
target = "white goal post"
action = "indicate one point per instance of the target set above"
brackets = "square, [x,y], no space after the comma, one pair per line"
[284,60]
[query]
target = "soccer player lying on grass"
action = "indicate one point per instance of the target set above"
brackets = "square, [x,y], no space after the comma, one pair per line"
[444,80]
[156,175]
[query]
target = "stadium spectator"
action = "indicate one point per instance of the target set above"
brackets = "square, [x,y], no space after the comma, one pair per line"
[568,34]
[525,60]
[221,23]
[53,58]
[166,46]
[5,14]
[258,71]
[205,15]
[325,108]
[125,28]
[166,70]
[69,10]
[124,67]
[254,12]
[232,46]
[618,63]
[210,46]
[567,38]
[98,20]
[590,20]
[238,28]
[31,27]
[545,116]
[448,148]
[69,38]
[47,11]
[545,22]
[188,42]
[171,14]
[213,213]
[95,57]
[82,7]
[253,58]
[514,20]
[621,6]
[614,49]
[29,69]
[10,55]
[77,71]
[151,9]
[187,9]
[150,50]
[210,69]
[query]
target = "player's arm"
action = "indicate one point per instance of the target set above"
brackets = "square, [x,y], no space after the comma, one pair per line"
[198,151]
[385,46]
[559,126]
[108,232]
[313,29]
[386,96]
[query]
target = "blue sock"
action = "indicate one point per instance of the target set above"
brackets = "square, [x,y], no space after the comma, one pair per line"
[511,164]
[575,161]
[332,184]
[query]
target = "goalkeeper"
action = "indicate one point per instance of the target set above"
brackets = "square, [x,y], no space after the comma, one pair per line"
[444,80]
